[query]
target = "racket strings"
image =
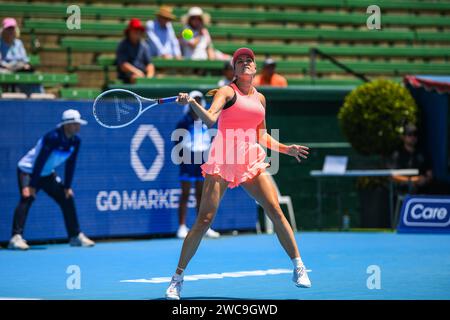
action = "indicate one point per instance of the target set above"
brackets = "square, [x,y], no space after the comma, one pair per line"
[117,108]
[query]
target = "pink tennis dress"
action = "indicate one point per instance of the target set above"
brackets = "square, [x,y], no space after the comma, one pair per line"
[235,154]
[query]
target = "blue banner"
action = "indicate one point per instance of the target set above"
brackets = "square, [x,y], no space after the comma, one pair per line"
[125,183]
[425,214]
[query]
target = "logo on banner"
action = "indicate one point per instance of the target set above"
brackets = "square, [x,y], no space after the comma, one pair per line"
[423,212]
[147,131]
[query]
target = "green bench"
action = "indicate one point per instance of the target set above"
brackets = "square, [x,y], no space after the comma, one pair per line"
[79,93]
[42,78]
[35,60]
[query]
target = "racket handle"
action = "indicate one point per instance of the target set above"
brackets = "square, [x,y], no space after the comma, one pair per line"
[167,100]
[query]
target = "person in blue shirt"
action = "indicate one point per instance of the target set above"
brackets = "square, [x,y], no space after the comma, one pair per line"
[36,171]
[133,54]
[162,40]
[196,144]
[13,57]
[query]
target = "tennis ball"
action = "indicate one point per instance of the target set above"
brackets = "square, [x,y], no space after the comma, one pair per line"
[187,34]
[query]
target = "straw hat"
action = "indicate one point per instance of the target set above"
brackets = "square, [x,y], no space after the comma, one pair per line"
[196,12]
[166,12]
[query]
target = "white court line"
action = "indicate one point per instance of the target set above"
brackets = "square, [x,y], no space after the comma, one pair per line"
[209,276]
[14,298]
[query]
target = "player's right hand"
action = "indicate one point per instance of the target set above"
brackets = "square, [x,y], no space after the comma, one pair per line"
[183,98]
[29,192]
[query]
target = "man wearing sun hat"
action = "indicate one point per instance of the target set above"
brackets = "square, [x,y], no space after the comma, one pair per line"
[161,37]
[133,54]
[36,171]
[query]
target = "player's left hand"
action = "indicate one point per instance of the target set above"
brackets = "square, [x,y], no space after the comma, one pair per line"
[298,152]
[68,193]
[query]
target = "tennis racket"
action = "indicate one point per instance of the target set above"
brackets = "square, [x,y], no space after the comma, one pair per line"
[118,108]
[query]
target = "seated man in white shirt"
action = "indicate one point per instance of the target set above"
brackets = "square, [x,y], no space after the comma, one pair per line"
[161,36]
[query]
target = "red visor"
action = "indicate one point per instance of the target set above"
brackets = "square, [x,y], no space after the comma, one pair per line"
[242,51]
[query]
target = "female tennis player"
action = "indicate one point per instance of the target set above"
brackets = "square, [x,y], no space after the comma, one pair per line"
[239,108]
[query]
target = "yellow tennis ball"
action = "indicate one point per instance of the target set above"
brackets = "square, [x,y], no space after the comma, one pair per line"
[187,34]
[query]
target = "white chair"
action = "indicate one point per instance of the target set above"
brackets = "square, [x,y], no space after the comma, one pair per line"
[282,200]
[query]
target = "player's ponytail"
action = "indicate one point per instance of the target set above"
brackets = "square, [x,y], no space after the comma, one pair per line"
[212,93]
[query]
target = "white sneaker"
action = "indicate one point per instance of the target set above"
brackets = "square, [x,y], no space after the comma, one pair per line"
[18,243]
[212,234]
[81,241]
[182,231]
[301,278]
[174,290]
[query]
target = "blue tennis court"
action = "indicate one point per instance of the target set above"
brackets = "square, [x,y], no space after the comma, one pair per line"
[236,267]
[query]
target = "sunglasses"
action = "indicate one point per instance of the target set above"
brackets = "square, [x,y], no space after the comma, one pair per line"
[411,134]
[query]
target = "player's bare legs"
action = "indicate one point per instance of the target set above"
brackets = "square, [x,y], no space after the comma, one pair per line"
[182,209]
[214,189]
[263,191]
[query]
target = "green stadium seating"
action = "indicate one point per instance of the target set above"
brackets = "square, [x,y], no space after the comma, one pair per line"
[43,78]
[439,6]
[93,45]
[293,27]
[227,15]
[302,67]
[212,81]
[254,33]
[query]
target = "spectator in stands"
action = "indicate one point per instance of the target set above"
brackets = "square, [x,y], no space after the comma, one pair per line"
[269,77]
[13,57]
[200,47]
[133,54]
[196,144]
[161,36]
[36,171]
[409,157]
[228,74]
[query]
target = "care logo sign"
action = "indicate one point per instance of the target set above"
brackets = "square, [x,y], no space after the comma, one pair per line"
[425,214]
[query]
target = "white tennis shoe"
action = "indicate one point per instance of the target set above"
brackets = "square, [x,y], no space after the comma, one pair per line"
[301,278]
[81,241]
[182,231]
[174,290]
[18,243]
[212,234]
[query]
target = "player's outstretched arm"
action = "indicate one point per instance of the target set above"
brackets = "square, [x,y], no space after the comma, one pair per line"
[210,116]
